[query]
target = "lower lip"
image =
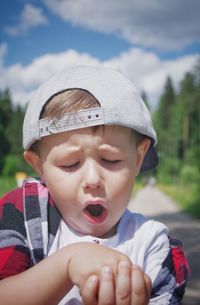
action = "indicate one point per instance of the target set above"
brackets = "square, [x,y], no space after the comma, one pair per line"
[96,220]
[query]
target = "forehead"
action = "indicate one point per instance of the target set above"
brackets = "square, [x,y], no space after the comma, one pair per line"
[115,135]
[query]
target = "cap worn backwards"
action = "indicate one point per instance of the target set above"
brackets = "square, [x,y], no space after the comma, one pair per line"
[120,105]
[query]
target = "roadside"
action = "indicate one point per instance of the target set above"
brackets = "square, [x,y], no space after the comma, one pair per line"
[153,203]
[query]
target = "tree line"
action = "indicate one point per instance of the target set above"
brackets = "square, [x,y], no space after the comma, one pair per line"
[11,121]
[176,120]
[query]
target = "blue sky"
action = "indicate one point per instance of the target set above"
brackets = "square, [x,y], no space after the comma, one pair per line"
[146,40]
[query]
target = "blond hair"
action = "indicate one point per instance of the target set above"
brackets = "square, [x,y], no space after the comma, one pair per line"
[68,101]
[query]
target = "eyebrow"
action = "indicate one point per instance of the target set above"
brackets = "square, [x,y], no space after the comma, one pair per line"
[67,151]
[111,148]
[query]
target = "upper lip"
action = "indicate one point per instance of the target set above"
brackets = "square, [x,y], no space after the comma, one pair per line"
[93,202]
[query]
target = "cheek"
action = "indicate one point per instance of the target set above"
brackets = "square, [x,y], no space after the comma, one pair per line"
[122,184]
[60,185]
[63,196]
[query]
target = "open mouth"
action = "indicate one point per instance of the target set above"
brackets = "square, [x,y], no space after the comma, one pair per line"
[95,210]
[95,213]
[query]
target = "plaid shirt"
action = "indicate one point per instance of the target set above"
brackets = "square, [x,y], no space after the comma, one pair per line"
[28,224]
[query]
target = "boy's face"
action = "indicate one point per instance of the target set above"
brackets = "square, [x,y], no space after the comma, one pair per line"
[90,175]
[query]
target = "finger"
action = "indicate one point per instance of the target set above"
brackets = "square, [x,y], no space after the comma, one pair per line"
[123,284]
[89,291]
[148,285]
[140,295]
[106,287]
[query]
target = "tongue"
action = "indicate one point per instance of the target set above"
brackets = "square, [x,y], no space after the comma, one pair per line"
[95,210]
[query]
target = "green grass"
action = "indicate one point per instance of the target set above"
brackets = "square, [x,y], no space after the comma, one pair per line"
[186,196]
[6,185]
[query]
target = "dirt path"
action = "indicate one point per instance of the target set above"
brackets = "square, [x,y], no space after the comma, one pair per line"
[153,203]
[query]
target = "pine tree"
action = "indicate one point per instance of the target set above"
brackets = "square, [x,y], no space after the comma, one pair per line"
[164,119]
[187,101]
[14,131]
[6,113]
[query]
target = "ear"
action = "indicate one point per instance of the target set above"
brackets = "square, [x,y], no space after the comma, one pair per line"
[33,159]
[142,149]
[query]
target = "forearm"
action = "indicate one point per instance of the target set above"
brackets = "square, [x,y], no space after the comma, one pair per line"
[50,280]
[45,283]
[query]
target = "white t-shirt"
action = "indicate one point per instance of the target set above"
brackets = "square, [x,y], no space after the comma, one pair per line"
[144,241]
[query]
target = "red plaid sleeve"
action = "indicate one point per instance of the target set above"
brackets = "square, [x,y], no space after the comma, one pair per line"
[14,253]
[13,260]
[172,277]
[180,263]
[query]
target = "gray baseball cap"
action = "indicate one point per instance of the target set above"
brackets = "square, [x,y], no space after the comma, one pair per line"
[120,105]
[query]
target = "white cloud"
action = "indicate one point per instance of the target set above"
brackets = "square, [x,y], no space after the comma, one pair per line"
[22,80]
[149,73]
[164,25]
[144,68]
[30,18]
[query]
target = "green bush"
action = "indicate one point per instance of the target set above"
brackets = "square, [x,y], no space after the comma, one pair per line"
[189,174]
[168,170]
[14,164]
[6,185]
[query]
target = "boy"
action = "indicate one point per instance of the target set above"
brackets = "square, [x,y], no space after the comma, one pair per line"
[68,237]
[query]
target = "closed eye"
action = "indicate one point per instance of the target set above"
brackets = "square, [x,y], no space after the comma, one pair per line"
[110,161]
[70,167]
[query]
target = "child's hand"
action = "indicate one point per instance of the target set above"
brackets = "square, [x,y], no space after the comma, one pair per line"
[88,259]
[131,287]
[106,276]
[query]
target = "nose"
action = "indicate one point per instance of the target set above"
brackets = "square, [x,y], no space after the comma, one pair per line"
[92,176]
